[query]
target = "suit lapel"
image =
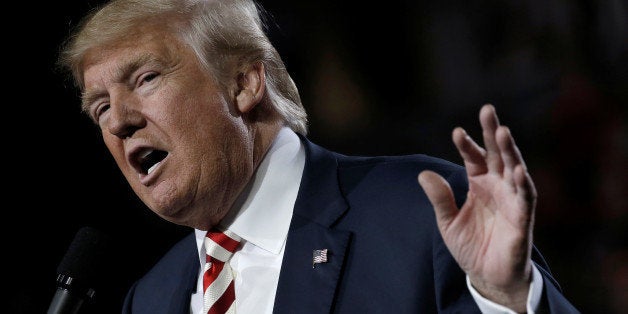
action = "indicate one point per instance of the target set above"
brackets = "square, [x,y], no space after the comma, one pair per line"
[179,298]
[305,287]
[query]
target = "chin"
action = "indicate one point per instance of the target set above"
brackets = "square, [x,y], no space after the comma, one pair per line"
[177,216]
[168,208]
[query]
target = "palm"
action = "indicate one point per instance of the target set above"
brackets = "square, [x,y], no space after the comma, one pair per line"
[484,237]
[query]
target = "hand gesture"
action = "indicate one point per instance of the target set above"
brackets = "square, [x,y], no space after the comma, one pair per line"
[490,236]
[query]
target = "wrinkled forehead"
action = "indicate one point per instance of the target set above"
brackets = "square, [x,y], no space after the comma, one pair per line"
[159,42]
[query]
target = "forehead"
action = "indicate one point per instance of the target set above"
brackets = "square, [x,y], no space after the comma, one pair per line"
[156,45]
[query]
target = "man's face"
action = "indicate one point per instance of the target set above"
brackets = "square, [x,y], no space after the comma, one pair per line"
[183,148]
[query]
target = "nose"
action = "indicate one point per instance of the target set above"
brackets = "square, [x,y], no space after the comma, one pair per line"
[125,117]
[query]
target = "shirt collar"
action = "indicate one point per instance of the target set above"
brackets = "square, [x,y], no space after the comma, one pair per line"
[261,215]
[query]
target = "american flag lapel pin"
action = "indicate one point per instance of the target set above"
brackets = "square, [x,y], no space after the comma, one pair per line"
[319,256]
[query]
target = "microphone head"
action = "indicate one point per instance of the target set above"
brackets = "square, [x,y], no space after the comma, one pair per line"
[85,260]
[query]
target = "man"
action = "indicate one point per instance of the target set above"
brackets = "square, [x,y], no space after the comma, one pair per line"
[205,123]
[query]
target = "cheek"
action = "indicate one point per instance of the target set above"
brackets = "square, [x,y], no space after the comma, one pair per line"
[116,149]
[205,121]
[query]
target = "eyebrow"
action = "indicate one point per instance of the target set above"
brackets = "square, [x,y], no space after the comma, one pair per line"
[120,74]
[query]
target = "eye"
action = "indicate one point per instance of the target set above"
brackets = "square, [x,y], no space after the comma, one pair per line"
[147,78]
[98,110]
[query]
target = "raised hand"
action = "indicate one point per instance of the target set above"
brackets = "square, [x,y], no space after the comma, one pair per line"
[490,236]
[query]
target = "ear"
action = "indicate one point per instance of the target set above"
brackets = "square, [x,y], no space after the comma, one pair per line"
[251,87]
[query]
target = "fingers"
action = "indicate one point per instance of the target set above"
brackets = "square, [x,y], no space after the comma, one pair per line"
[440,195]
[515,172]
[477,159]
[473,155]
[490,123]
[526,191]
[509,152]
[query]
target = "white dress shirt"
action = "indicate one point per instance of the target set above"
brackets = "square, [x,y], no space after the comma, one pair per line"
[261,217]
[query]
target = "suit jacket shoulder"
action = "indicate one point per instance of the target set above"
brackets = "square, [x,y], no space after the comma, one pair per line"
[169,284]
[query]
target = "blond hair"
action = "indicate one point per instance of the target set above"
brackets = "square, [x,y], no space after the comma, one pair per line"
[224,34]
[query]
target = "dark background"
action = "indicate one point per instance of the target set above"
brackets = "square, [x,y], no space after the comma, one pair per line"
[389,78]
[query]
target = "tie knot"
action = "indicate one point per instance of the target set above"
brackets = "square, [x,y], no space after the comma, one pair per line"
[221,244]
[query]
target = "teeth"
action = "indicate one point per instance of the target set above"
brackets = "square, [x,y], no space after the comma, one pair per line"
[152,168]
[146,153]
[149,159]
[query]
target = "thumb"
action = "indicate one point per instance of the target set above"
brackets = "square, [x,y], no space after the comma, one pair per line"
[440,195]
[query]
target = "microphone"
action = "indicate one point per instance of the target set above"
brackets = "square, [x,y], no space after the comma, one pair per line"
[80,271]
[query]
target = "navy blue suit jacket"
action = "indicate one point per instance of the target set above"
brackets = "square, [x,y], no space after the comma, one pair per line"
[386,254]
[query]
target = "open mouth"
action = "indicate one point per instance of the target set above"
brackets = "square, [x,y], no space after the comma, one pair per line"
[150,159]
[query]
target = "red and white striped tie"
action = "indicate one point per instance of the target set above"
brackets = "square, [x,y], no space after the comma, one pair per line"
[218,289]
